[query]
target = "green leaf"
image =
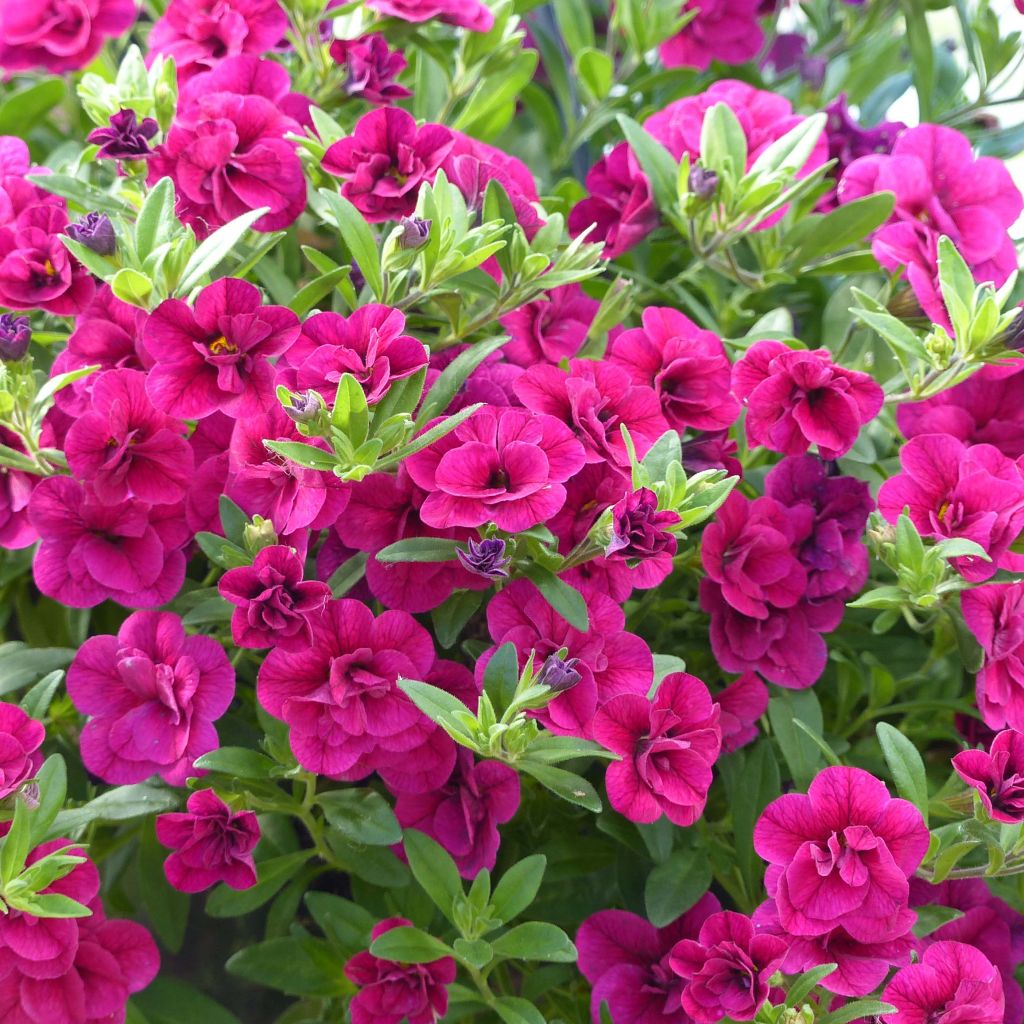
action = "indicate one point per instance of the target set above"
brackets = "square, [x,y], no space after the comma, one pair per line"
[52,779]
[439,706]
[800,989]
[169,1001]
[358,238]
[408,945]
[310,294]
[906,766]
[166,908]
[14,847]
[346,924]
[233,520]
[535,940]
[565,599]
[931,917]
[922,54]
[434,869]
[800,751]
[49,904]
[515,1010]
[271,877]
[476,952]
[858,1010]
[573,788]
[428,437]
[362,815]
[348,574]
[125,803]
[240,762]
[297,966]
[350,413]
[450,618]
[596,70]
[793,150]
[21,665]
[661,168]
[518,887]
[501,676]
[307,455]
[674,886]
[37,700]
[419,549]
[216,248]
[845,225]
[23,110]
[723,143]
[87,197]
[156,222]
[453,376]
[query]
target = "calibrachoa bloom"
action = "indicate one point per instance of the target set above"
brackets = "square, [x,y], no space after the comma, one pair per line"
[727,969]
[798,398]
[20,740]
[505,466]
[390,992]
[724,30]
[627,962]
[667,749]
[463,815]
[995,615]
[77,970]
[952,982]
[371,68]
[957,490]
[16,529]
[273,605]
[551,329]
[997,775]
[58,36]
[687,368]
[639,532]
[473,15]
[385,160]
[841,855]
[741,704]
[126,138]
[216,356]
[211,844]
[153,694]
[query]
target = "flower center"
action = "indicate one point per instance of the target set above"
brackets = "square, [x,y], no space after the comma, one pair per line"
[221,346]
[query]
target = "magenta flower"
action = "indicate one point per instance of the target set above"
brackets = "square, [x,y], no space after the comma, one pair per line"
[502,465]
[227,155]
[125,138]
[667,749]
[953,982]
[861,966]
[36,271]
[687,368]
[595,400]
[741,704]
[723,30]
[153,694]
[785,647]
[71,970]
[620,206]
[955,490]
[997,775]
[848,140]
[829,514]
[748,550]
[20,740]
[211,844]
[727,969]
[124,448]
[390,993]
[550,329]
[995,615]
[639,530]
[372,68]
[273,605]
[798,398]
[626,960]
[93,551]
[610,661]
[340,696]
[842,855]
[463,815]
[987,408]
[292,497]
[474,15]
[215,357]
[16,529]
[712,450]
[58,36]
[385,160]
[199,34]
[370,344]
[385,509]
[941,189]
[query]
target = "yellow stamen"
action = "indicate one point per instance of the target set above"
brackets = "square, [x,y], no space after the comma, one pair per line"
[221,345]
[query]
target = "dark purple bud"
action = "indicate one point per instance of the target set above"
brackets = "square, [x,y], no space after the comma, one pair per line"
[415,233]
[638,528]
[304,408]
[848,140]
[1013,337]
[485,558]
[372,67]
[812,71]
[15,334]
[702,182]
[557,675]
[785,52]
[711,450]
[356,277]
[95,232]
[125,138]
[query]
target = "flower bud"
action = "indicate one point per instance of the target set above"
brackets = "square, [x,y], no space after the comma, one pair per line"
[304,408]
[258,534]
[95,232]
[415,233]
[15,334]
[557,675]
[1013,337]
[126,138]
[702,183]
[486,558]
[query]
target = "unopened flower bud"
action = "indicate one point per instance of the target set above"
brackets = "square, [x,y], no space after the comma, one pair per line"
[258,534]
[95,232]
[30,795]
[557,675]
[415,233]
[703,183]
[486,558]
[1013,337]
[126,138]
[15,334]
[304,408]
